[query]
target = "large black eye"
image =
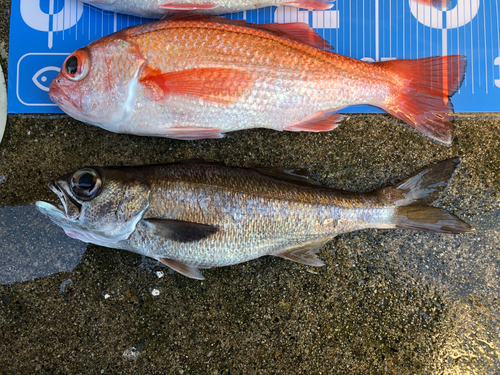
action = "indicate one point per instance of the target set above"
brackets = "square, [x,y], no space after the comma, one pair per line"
[86,183]
[77,65]
[71,65]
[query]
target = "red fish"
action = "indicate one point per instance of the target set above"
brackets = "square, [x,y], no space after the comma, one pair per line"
[200,77]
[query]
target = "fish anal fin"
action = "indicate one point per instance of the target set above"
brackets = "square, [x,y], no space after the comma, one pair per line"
[321,123]
[310,4]
[180,231]
[224,85]
[187,7]
[183,268]
[305,254]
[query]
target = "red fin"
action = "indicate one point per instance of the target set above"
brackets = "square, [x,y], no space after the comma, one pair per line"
[191,6]
[424,87]
[299,31]
[322,123]
[224,85]
[310,4]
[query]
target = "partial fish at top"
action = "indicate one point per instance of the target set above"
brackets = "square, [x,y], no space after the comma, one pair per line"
[440,4]
[197,215]
[199,77]
[162,8]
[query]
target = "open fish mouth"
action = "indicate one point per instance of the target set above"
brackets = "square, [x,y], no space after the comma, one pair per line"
[66,208]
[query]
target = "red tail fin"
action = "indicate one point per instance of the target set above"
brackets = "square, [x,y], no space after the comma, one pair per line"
[423,88]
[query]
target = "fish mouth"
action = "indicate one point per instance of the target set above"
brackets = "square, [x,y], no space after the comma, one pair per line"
[57,94]
[60,96]
[67,208]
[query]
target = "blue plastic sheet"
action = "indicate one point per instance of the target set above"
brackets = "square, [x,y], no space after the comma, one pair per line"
[44,32]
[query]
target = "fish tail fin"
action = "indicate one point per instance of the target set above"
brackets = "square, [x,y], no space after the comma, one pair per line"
[413,196]
[423,88]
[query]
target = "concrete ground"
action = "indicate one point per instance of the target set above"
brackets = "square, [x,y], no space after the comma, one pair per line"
[395,302]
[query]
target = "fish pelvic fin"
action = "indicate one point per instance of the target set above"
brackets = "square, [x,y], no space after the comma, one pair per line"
[422,92]
[183,268]
[413,196]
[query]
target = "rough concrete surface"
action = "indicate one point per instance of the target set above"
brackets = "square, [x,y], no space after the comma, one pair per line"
[395,302]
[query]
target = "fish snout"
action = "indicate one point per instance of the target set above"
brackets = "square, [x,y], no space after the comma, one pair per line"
[56,93]
[65,96]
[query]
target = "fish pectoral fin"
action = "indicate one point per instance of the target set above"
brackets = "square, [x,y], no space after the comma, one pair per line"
[223,85]
[320,123]
[180,231]
[305,254]
[183,268]
[187,7]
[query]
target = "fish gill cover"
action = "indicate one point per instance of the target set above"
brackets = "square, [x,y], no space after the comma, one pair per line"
[44,32]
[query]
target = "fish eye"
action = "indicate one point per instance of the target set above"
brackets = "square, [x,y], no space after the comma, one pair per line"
[76,66]
[86,183]
[71,65]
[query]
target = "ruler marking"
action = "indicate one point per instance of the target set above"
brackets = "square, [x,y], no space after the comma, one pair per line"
[472,51]
[485,51]
[390,28]
[377,32]
[498,30]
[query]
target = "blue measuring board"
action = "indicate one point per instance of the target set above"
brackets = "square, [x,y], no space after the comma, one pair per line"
[44,32]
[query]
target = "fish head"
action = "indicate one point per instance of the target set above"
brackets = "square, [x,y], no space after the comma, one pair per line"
[98,84]
[98,205]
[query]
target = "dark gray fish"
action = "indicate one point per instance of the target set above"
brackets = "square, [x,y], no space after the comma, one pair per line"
[199,215]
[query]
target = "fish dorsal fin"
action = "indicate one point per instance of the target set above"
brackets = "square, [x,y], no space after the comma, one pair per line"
[298,31]
[305,254]
[180,231]
[183,268]
[297,176]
